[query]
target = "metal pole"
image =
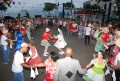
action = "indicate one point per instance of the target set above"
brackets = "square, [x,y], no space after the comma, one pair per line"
[71,7]
[104,13]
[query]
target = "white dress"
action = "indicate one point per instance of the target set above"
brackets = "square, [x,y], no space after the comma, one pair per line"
[60,43]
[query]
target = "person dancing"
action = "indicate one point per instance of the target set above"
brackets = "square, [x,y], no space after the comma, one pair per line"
[96,73]
[46,35]
[60,43]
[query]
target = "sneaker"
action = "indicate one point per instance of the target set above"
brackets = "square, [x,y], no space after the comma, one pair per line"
[5,63]
[62,53]
[44,55]
[47,53]
[8,60]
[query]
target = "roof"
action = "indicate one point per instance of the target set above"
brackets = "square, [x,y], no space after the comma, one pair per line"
[84,12]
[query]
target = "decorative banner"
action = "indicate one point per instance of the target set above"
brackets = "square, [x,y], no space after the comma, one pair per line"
[14,3]
[19,3]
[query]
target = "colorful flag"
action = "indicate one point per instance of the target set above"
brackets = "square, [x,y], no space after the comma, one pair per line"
[14,3]
[19,3]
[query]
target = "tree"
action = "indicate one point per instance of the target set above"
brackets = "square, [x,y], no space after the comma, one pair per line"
[93,8]
[68,5]
[4,5]
[49,7]
[103,0]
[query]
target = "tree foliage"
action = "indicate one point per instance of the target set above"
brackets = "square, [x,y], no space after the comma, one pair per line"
[49,6]
[68,5]
[93,8]
[103,0]
[4,5]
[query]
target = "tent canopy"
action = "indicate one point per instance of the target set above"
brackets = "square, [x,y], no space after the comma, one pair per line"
[84,13]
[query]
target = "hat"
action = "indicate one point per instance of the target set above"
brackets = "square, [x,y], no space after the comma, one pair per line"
[5,31]
[105,30]
[24,45]
[17,25]
[1,24]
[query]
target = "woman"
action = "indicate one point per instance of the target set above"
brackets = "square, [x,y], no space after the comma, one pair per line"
[60,43]
[99,44]
[18,39]
[51,66]
[35,58]
[96,73]
[46,36]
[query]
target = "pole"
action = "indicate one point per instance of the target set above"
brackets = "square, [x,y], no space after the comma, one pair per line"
[71,7]
[63,11]
[109,12]
[104,13]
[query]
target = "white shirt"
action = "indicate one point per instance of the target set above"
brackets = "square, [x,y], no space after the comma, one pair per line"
[60,22]
[3,40]
[64,23]
[117,58]
[74,25]
[87,30]
[17,61]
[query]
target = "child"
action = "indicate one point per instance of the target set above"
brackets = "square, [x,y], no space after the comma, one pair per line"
[34,57]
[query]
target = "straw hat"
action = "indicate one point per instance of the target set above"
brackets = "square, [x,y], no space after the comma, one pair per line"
[5,31]
[105,30]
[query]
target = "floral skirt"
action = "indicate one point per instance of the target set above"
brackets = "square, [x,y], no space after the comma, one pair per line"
[92,76]
[45,43]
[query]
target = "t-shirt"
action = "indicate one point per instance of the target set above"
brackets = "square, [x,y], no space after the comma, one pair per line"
[106,37]
[46,35]
[60,22]
[70,26]
[17,61]
[117,58]
[87,30]
[3,40]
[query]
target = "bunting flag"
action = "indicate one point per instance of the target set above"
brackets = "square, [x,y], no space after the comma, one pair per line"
[19,3]
[13,2]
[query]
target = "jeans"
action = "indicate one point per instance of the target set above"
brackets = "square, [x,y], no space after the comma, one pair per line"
[87,39]
[5,53]
[69,32]
[18,77]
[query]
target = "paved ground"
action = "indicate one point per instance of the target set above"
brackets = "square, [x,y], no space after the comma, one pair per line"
[81,52]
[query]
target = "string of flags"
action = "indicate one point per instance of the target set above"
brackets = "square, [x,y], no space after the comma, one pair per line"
[19,3]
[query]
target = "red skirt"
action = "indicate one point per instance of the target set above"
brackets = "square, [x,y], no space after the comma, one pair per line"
[36,60]
[47,77]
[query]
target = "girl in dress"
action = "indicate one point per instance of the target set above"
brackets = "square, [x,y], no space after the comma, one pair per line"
[60,43]
[46,36]
[96,73]
[34,56]
[51,66]
[99,44]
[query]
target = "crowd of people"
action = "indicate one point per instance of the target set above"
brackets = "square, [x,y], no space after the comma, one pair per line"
[12,34]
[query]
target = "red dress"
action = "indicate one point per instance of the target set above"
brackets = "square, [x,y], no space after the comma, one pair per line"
[36,59]
[106,37]
[50,70]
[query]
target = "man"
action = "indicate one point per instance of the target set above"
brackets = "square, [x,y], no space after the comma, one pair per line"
[5,47]
[117,62]
[87,34]
[18,63]
[67,68]
[60,23]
